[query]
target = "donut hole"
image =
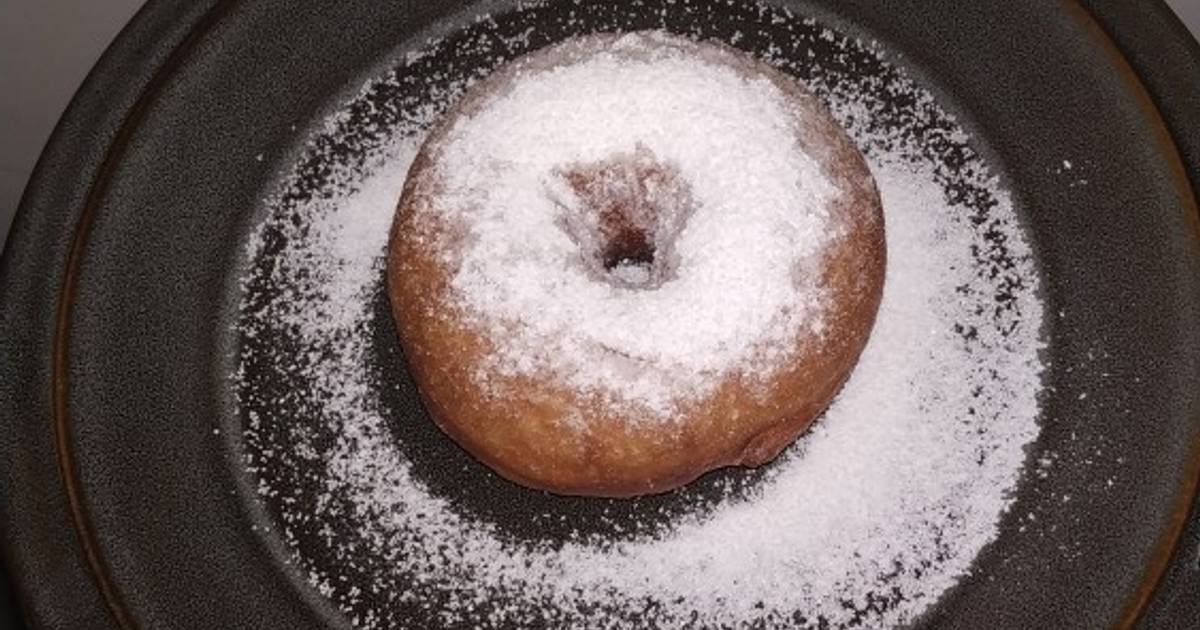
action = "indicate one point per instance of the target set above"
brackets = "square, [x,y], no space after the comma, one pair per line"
[625,214]
[631,246]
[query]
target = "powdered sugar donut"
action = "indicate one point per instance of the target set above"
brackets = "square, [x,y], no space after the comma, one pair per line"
[625,260]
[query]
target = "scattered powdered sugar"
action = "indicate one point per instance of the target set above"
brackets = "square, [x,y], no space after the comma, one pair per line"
[866,521]
[736,302]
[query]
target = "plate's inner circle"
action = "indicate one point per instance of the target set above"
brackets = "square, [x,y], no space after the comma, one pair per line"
[303,425]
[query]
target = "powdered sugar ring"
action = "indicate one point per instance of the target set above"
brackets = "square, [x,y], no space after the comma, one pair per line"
[887,500]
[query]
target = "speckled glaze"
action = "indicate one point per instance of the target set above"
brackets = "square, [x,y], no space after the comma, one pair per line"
[116,298]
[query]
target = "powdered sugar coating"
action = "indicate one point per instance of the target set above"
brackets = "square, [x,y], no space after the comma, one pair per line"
[745,285]
[866,521]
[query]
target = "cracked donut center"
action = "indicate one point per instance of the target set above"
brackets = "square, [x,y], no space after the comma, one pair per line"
[625,214]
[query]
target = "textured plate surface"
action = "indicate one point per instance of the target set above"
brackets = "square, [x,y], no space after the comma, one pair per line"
[115,293]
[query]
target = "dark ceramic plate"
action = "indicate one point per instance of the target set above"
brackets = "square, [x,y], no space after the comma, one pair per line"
[124,508]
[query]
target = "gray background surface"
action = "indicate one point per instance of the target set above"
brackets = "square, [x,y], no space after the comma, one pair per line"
[47,48]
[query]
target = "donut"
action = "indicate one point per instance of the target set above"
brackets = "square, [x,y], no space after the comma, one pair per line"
[624,260]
